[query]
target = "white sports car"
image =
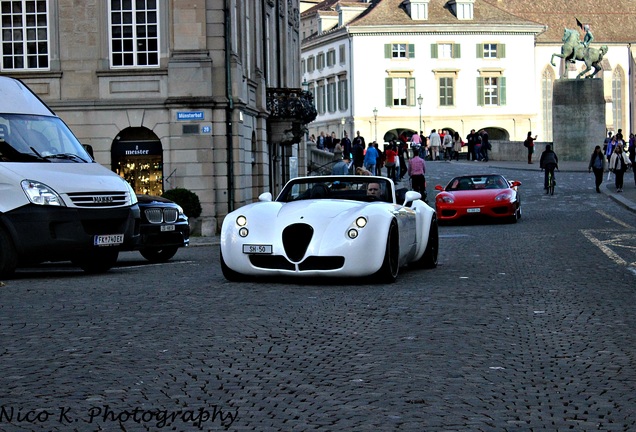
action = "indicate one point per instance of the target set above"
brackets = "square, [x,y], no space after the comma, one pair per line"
[341,226]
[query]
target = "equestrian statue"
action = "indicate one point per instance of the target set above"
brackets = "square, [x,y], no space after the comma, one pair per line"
[573,49]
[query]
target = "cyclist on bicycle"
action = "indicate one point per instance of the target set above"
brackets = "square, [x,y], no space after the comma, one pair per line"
[548,162]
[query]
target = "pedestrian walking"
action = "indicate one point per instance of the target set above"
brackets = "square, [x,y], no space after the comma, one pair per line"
[618,164]
[597,164]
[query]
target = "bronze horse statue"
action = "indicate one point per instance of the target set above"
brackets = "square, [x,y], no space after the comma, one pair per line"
[573,50]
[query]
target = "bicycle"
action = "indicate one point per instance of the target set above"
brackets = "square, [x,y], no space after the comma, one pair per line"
[551,182]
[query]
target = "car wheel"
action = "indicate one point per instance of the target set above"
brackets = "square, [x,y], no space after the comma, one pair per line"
[157,255]
[8,255]
[230,274]
[516,215]
[429,258]
[390,266]
[97,261]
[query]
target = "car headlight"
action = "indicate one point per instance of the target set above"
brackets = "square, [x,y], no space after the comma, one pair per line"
[361,222]
[506,196]
[40,194]
[131,192]
[352,233]
[241,221]
[445,199]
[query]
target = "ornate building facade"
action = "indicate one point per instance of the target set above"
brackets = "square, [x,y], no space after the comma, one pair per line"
[387,66]
[198,94]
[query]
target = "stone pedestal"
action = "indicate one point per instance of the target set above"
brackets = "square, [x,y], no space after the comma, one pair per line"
[578,118]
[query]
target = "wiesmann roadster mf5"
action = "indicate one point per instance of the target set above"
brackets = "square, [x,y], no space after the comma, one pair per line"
[338,226]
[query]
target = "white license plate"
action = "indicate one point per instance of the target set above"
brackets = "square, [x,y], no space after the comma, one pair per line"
[108,240]
[167,228]
[257,249]
[473,210]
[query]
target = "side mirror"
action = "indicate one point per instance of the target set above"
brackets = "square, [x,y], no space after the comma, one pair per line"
[265,197]
[439,188]
[89,150]
[411,196]
[515,183]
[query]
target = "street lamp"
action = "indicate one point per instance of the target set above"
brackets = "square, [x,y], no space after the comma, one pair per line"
[305,85]
[375,121]
[420,100]
[342,122]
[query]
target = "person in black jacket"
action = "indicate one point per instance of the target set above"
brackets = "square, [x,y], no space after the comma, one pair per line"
[548,162]
[597,164]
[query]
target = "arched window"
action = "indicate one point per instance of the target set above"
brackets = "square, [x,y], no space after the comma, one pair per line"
[618,79]
[547,80]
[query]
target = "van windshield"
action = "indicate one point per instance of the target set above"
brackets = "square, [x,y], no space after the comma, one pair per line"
[34,138]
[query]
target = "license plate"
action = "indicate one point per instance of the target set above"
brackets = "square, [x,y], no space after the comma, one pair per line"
[167,228]
[108,240]
[257,249]
[473,210]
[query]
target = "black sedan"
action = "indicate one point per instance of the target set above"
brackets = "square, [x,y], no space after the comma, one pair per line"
[164,228]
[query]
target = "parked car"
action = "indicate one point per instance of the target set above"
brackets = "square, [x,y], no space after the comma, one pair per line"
[164,228]
[338,226]
[480,195]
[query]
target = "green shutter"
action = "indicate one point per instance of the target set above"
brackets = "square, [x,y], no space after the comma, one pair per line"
[411,50]
[501,50]
[502,90]
[433,50]
[457,51]
[410,96]
[388,86]
[387,50]
[480,50]
[480,91]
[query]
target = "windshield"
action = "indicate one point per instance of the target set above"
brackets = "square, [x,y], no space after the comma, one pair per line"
[357,188]
[34,138]
[477,182]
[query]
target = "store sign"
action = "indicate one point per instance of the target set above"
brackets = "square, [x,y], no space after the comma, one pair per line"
[146,148]
[190,115]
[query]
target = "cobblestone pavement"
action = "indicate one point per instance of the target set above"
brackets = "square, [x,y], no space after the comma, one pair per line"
[522,327]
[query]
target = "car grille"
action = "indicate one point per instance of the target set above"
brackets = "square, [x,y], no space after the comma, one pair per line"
[157,215]
[296,239]
[98,199]
[279,262]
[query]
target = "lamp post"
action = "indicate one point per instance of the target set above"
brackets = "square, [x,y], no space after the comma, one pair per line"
[305,85]
[420,100]
[342,122]
[375,122]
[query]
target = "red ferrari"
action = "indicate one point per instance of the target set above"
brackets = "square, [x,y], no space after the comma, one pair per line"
[488,195]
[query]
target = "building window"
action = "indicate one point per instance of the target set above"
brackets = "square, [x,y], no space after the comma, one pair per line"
[491,50]
[400,91]
[446,91]
[342,51]
[617,99]
[331,96]
[399,51]
[445,50]
[134,33]
[320,98]
[491,90]
[320,61]
[343,95]
[25,35]
[331,58]
[547,80]
[311,64]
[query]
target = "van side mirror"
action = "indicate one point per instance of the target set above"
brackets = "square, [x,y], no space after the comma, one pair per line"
[89,150]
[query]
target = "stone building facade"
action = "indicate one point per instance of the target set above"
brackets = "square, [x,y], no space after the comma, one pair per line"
[198,94]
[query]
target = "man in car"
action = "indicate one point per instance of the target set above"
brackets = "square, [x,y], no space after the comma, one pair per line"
[373,189]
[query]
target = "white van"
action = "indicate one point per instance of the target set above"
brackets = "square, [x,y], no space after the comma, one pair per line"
[56,202]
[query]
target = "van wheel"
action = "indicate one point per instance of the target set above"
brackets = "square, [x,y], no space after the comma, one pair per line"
[8,255]
[97,261]
[157,255]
